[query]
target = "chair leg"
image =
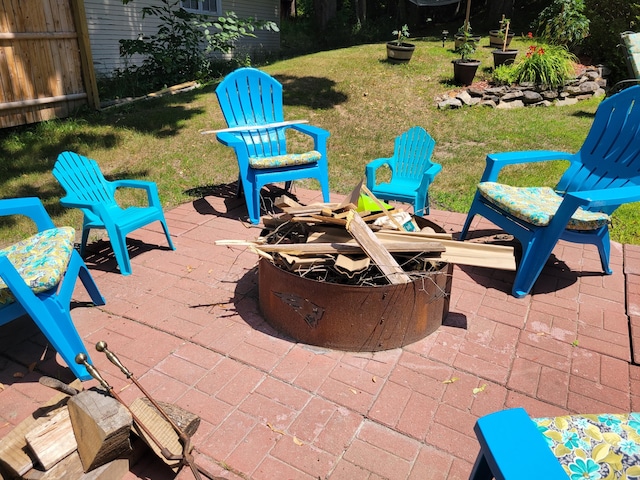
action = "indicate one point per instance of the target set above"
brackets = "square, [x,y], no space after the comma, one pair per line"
[166,233]
[85,238]
[119,247]
[75,269]
[481,470]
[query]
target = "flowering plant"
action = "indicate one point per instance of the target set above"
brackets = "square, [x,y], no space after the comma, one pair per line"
[542,64]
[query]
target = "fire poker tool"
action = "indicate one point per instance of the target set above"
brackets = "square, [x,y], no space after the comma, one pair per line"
[186,457]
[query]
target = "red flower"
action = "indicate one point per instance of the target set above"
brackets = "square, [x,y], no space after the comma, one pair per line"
[541,51]
[530,35]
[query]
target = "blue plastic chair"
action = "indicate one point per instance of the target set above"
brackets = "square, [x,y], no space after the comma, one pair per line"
[412,171]
[512,448]
[251,102]
[602,175]
[88,190]
[49,308]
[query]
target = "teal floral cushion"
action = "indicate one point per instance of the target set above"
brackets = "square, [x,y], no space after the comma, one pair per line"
[593,447]
[289,160]
[537,205]
[41,260]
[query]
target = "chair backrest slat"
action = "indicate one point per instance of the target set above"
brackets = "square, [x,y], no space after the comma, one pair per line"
[250,97]
[610,155]
[82,179]
[413,150]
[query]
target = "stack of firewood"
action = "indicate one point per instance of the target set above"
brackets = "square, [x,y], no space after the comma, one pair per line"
[87,434]
[349,242]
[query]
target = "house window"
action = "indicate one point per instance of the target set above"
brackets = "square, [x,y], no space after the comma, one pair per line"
[202,6]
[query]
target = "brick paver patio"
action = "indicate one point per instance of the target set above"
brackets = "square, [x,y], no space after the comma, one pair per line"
[187,323]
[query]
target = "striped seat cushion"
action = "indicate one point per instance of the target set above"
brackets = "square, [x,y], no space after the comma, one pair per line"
[41,260]
[538,205]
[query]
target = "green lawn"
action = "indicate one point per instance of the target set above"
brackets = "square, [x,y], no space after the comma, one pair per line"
[354,93]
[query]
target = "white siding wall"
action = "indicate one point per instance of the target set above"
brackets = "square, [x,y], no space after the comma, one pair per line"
[109,21]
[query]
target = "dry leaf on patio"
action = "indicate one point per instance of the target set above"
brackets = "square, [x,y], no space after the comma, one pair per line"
[374,379]
[479,389]
[32,366]
[451,380]
[18,375]
[298,442]
[275,429]
[354,391]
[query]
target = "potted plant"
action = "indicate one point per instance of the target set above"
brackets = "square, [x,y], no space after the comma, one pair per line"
[399,50]
[502,36]
[504,56]
[460,36]
[464,68]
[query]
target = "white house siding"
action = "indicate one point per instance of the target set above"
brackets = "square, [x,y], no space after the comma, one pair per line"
[109,21]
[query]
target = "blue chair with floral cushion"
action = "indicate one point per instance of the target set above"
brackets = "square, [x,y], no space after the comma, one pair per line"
[251,102]
[412,171]
[38,276]
[601,176]
[514,446]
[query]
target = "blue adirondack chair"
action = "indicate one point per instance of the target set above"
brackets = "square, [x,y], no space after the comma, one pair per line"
[88,190]
[39,275]
[601,176]
[412,171]
[514,446]
[251,102]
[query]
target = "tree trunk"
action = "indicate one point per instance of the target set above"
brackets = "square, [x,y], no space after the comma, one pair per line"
[361,10]
[325,11]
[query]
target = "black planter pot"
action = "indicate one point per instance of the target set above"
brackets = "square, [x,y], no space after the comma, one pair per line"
[464,71]
[399,53]
[503,57]
[496,40]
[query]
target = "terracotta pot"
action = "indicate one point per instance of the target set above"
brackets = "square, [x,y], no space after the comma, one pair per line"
[464,71]
[399,53]
[504,57]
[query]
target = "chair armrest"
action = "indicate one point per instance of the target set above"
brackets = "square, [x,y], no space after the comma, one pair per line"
[429,176]
[30,207]
[515,449]
[496,161]
[150,187]
[317,133]
[372,167]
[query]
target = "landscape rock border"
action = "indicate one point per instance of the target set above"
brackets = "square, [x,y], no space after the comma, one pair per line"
[588,84]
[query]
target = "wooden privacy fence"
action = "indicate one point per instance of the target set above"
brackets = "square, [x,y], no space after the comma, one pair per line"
[46,69]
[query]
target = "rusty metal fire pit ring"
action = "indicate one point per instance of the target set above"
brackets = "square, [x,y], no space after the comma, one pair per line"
[350,317]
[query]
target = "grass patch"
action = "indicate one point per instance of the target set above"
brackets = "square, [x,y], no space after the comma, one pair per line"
[353,92]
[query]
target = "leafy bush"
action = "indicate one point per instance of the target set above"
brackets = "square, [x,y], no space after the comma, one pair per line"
[607,20]
[563,23]
[175,53]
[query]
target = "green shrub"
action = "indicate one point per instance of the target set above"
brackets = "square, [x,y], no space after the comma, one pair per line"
[563,23]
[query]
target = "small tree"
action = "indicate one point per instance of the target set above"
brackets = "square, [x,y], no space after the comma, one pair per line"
[562,23]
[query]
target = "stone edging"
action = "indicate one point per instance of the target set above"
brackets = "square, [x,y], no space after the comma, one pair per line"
[587,85]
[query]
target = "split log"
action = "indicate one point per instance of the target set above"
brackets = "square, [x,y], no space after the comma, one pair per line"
[102,426]
[186,421]
[71,468]
[15,455]
[53,440]
[161,430]
[375,250]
